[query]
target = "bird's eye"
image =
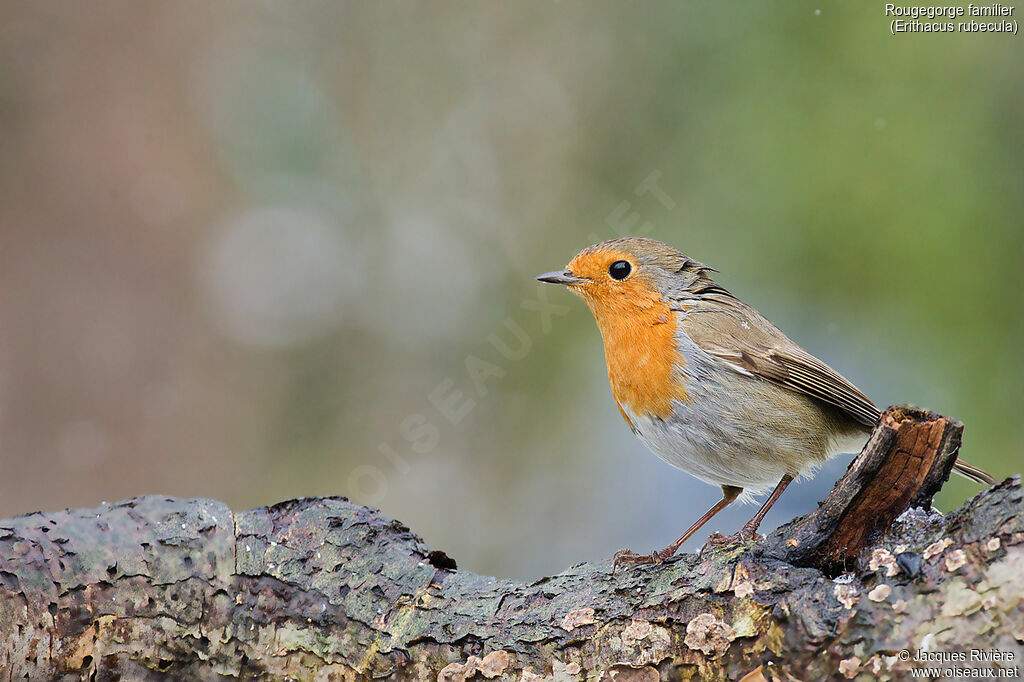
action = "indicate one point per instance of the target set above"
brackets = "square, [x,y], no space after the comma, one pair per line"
[620,269]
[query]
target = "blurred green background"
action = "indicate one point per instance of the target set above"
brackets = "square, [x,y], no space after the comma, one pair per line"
[247,250]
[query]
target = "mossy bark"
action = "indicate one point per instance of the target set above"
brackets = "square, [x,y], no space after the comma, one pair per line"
[157,587]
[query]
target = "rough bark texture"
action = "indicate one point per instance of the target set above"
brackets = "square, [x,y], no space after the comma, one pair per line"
[154,587]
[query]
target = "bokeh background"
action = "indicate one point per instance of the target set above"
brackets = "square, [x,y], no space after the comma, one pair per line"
[254,251]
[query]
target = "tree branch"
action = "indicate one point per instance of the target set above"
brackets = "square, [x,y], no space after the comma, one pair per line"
[157,587]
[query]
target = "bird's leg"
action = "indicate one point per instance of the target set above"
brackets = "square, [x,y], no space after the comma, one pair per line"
[625,556]
[749,530]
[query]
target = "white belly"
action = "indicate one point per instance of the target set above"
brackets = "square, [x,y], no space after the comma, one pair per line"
[742,431]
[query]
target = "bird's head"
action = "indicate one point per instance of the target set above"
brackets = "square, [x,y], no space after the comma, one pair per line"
[627,276]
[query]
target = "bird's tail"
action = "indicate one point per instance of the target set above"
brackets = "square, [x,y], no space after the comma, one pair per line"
[973,473]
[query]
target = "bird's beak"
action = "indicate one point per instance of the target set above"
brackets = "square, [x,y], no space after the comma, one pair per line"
[561,277]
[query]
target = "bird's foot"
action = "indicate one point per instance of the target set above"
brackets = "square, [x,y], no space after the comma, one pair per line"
[627,556]
[740,537]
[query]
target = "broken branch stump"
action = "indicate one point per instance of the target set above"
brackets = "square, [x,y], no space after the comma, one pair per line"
[908,457]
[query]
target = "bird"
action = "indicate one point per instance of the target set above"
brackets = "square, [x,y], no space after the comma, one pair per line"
[710,385]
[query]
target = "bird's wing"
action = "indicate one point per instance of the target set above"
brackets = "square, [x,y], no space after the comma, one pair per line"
[748,343]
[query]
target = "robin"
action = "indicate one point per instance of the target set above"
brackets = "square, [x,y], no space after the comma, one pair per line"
[711,386]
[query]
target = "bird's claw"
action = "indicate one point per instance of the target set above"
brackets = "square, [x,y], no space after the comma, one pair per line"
[628,556]
[742,536]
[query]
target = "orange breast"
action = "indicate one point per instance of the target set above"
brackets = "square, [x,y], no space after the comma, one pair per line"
[640,349]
